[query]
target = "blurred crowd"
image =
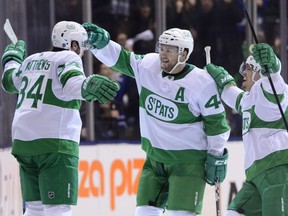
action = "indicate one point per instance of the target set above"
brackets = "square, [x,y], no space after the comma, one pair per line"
[216,23]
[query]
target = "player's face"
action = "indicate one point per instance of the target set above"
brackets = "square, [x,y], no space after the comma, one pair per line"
[168,56]
[75,47]
[248,81]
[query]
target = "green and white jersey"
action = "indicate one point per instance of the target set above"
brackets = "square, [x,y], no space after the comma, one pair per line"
[47,115]
[265,137]
[181,117]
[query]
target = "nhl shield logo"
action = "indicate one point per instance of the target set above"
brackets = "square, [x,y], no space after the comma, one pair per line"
[51,194]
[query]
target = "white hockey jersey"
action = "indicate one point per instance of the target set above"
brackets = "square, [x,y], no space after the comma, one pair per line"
[181,116]
[47,115]
[265,136]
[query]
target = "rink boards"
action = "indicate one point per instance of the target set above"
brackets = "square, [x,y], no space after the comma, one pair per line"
[108,180]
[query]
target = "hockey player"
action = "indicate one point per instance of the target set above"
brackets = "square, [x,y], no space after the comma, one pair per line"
[264,135]
[182,122]
[46,126]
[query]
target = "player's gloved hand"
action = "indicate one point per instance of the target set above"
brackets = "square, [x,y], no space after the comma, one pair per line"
[97,87]
[216,167]
[221,76]
[97,37]
[264,55]
[15,52]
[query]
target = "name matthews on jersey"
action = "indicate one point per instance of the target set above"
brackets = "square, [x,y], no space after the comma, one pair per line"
[42,64]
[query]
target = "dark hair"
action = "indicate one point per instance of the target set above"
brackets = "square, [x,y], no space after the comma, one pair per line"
[57,49]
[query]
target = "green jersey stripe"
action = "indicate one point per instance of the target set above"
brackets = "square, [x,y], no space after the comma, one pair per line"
[175,156]
[274,159]
[121,64]
[69,74]
[213,126]
[7,81]
[45,145]
[271,97]
[50,98]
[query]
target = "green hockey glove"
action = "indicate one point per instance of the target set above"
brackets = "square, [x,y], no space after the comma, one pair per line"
[15,52]
[264,55]
[97,37]
[97,87]
[221,76]
[216,167]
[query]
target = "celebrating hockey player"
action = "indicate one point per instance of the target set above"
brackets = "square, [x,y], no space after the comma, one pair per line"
[182,121]
[265,138]
[46,126]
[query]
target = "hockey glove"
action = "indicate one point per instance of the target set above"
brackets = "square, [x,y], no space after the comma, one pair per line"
[97,37]
[221,76]
[216,168]
[97,87]
[264,55]
[15,52]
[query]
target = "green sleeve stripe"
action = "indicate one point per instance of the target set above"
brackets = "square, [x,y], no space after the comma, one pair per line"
[50,98]
[271,97]
[62,67]
[215,124]
[237,105]
[277,124]
[69,74]
[121,64]
[7,81]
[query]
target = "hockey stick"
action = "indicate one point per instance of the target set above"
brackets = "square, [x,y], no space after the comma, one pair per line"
[9,31]
[217,184]
[207,51]
[217,197]
[266,68]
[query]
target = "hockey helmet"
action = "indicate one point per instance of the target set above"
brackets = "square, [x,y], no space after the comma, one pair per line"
[250,61]
[65,32]
[179,38]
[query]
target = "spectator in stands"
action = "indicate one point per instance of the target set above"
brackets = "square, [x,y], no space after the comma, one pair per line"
[231,34]
[179,13]
[143,18]
[205,23]
[110,121]
[115,15]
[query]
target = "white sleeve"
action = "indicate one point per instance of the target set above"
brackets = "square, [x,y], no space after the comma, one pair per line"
[11,77]
[109,54]
[230,95]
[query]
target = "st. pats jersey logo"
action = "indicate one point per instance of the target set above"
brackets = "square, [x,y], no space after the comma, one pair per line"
[161,108]
[246,121]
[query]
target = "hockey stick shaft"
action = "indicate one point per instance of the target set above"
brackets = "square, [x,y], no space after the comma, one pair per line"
[266,68]
[9,31]
[217,197]
[208,56]
[217,184]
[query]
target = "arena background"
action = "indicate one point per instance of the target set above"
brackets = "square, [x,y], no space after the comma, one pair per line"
[109,167]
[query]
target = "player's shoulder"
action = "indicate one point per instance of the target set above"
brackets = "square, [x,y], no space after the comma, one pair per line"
[150,60]
[62,57]
[66,54]
[200,74]
[149,57]
[54,55]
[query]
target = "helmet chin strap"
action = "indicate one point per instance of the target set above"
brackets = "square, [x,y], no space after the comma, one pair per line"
[253,75]
[176,65]
[81,53]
